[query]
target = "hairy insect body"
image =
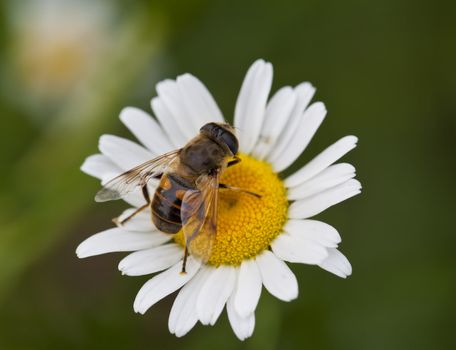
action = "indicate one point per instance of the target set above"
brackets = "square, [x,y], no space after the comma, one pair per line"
[200,156]
[167,202]
[186,197]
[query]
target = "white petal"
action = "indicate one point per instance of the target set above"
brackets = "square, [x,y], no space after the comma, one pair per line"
[313,230]
[99,166]
[248,289]
[125,153]
[164,284]
[277,113]
[141,222]
[151,260]
[330,177]
[215,292]
[306,129]
[134,199]
[183,316]
[337,264]
[322,161]
[198,101]
[251,104]
[304,93]
[313,205]
[119,240]
[277,277]
[146,130]
[171,97]
[169,124]
[242,326]
[298,250]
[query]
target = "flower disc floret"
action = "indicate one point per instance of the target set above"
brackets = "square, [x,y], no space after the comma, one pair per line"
[246,224]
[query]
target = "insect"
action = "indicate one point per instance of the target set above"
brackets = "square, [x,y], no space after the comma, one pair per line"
[187,194]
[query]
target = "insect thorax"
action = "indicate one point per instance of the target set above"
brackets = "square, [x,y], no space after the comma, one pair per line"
[202,155]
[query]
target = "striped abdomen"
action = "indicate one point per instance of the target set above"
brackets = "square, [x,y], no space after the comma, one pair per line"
[166,205]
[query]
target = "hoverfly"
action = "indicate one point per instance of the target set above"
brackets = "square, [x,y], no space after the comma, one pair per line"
[186,197]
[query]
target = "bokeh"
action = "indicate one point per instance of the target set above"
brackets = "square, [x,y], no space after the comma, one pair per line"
[386,72]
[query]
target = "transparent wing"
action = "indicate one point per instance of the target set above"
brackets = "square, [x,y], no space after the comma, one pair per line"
[199,216]
[138,176]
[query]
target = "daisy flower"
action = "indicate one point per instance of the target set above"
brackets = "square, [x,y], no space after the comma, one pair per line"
[255,237]
[56,46]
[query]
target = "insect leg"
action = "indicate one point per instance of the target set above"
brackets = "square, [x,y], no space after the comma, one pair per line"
[145,193]
[238,189]
[184,262]
[235,160]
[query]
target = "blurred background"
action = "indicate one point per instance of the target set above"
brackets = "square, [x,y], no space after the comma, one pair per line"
[386,72]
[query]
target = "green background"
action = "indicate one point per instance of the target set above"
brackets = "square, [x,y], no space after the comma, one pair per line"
[386,72]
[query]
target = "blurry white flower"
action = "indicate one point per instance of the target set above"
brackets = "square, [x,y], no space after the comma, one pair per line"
[56,44]
[254,238]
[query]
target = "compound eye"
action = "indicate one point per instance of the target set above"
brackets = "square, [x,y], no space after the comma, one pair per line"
[231,141]
[209,128]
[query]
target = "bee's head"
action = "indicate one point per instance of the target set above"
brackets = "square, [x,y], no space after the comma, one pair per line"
[223,134]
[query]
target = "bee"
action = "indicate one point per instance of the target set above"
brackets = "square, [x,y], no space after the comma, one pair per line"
[189,182]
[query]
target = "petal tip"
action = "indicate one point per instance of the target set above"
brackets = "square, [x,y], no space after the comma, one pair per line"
[185,76]
[305,87]
[85,166]
[80,251]
[356,184]
[125,112]
[351,139]
[258,61]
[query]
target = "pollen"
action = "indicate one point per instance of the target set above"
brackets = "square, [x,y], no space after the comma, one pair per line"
[246,224]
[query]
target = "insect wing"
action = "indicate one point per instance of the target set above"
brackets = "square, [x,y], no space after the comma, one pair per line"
[199,216]
[119,186]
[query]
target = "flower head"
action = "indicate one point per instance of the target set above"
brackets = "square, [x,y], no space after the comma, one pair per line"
[255,236]
[57,44]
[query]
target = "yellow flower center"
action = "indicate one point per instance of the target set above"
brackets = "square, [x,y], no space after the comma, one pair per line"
[246,224]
